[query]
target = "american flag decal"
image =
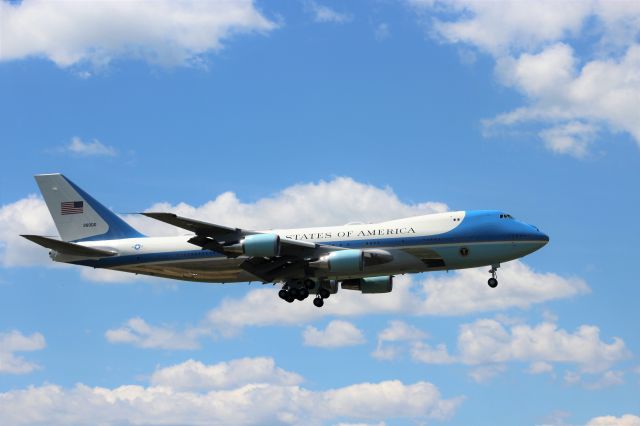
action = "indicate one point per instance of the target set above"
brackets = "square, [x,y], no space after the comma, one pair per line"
[71,207]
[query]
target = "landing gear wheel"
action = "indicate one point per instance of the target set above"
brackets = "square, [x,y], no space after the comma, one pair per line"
[283,294]
[303,293]
[318,301]
[290,298]
[493,283]
[324,293]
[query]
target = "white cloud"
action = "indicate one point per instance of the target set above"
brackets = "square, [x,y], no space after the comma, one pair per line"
[624,420]
[573,98]
[138,333]
[465,291]
[540,367]
[95,148]
[486,373]
[14,341]
[396,331]
[514,24]
[458,293]
[602,92]
[337,334]
[450,294]
[595,381]
[160,32]
[223,394]
[489,345]
[26,216]
[361,424]
[399,331]
[195,376]
[324,14]
[571,138]
[423,352]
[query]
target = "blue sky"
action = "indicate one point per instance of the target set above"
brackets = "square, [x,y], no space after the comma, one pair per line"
[291,113]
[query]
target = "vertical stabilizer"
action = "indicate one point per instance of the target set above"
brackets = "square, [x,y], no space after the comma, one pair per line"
[77,215]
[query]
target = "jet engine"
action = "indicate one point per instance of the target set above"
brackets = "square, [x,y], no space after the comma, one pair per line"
[352,261]
[370,284]
[258,245]
[341,262]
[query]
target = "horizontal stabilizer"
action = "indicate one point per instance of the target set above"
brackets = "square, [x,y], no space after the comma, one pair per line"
[68,248]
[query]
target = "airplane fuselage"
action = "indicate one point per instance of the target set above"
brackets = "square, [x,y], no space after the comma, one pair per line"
[442,241]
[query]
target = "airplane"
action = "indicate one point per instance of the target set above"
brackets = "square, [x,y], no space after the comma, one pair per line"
[318,260]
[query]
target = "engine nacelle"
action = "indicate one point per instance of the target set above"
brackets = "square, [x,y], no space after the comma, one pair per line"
[258,245]
[341,262]
[353,261]
[370,284]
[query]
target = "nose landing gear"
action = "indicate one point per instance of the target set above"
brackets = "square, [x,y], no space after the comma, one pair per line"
[493,281]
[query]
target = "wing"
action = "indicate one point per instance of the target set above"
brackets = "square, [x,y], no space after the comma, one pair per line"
[291,260]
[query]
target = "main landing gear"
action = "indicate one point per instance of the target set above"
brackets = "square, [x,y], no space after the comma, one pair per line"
[299,290]
[493,281]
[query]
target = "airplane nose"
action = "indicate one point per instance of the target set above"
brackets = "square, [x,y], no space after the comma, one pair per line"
[543,237]
[540,236]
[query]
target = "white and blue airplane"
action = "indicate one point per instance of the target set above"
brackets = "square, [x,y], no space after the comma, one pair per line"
[318,260]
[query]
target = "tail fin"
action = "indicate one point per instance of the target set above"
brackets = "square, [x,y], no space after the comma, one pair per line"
[77,215]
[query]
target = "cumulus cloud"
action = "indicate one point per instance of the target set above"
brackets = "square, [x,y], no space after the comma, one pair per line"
[95,148]
[488,341]
[457,293]
[540,367]
[324,14]
[26,216]
[514,25]
[485,373]
[624,420]
[225,393]
[337,334]
[195,376]
[573,99]
[137,332]
[162,32]
[606,379]
[14,341]
[396,331]
[488,344]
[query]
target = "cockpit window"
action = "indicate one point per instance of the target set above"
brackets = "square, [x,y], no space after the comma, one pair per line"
[506,216]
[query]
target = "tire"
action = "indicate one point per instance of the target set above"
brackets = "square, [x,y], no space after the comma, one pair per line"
[493,283]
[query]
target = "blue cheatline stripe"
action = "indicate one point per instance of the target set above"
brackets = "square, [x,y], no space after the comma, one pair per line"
[118,228]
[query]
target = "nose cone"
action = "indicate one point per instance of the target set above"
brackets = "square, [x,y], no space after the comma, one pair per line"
[539,238]
[538,235]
